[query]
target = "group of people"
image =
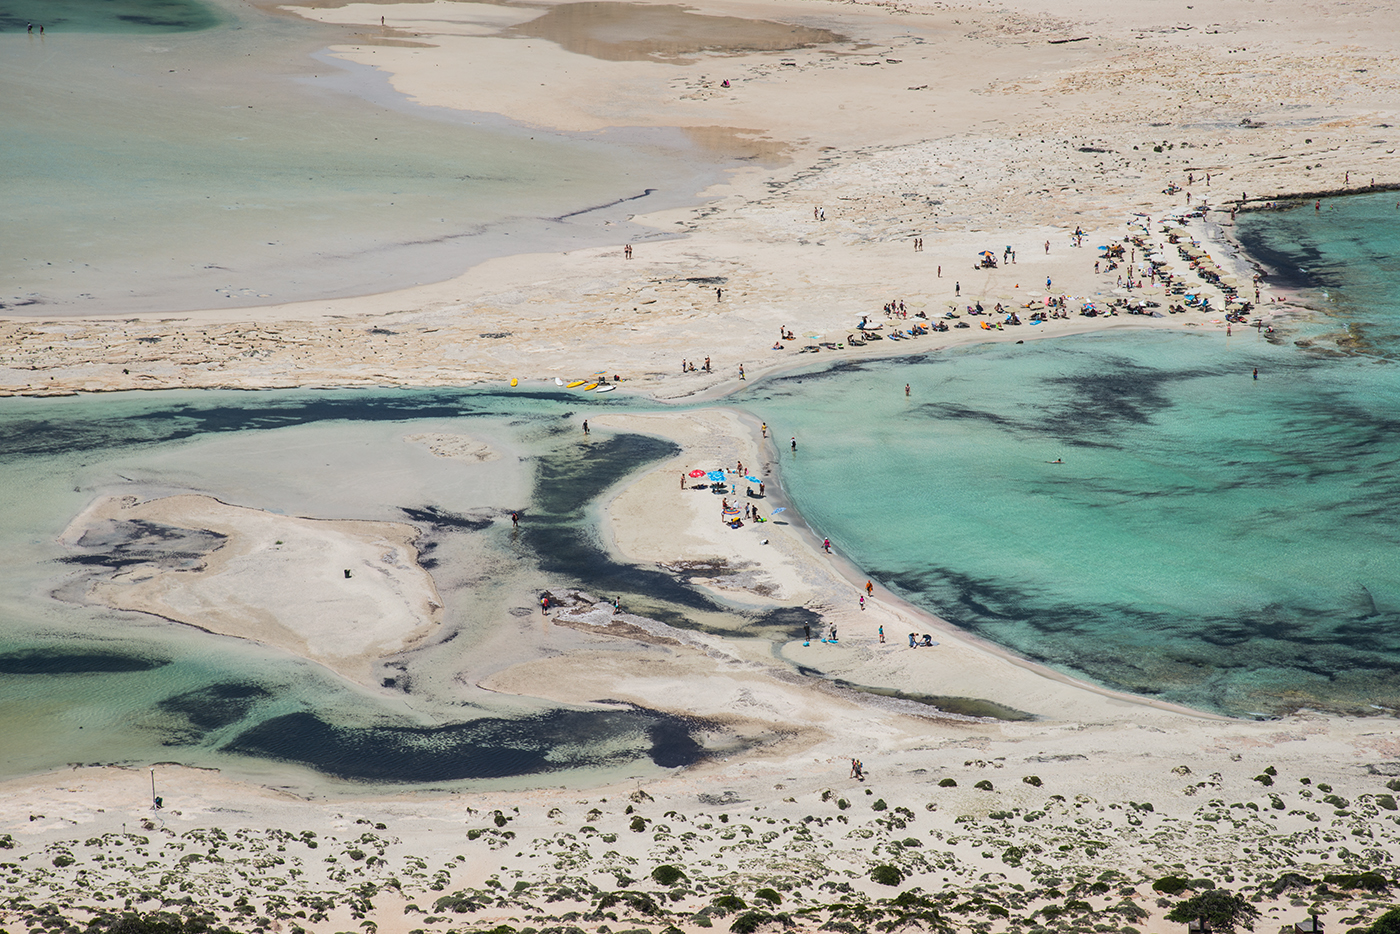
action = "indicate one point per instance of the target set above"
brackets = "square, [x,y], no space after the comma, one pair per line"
[689,367]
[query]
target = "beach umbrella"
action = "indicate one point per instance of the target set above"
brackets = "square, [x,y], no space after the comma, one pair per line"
[697,473]
[717,476]
[751,479]
[778,510]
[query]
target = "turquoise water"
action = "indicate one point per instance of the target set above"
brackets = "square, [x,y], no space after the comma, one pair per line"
[1208,539]
[1347,255]
[70,16]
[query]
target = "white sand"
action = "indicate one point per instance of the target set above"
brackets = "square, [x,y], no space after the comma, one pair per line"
[280,580]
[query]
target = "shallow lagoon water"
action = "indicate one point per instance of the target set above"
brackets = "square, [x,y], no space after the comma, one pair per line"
[204,155]
[80,683]
[1209,539]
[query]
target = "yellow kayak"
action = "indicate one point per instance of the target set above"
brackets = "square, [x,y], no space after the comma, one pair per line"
[577,382]
[590,386]
[514,381]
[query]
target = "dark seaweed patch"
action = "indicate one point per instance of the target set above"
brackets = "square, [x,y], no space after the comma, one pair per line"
[59,662]
[215,706]
[491,747]
[963,706]
[789,619]
[442,519]
[119,543]
[264,410]
[556,530]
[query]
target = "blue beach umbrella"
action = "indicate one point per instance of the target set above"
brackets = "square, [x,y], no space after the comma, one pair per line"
[717,476]
[778,510]
[751,479]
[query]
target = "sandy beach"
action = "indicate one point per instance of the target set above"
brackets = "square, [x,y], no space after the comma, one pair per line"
[1002,795]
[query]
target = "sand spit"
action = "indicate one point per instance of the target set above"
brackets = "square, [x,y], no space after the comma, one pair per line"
[341,593]
[882,135]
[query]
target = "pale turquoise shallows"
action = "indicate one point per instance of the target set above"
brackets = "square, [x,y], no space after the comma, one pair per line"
[1209,538]
[152,165]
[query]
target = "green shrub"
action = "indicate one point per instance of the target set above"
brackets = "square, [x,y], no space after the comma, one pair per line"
[1384,801]
[751,921]
[1265,780]
[1170,885]
[770,896]
[63,859]
[667,875]
[1287,881]
[1033,780]
[1388,923]
[887,875]
[727,903]
[947,783]
[879,805]
[984,785]
[1370,881]
[1220,909]
[638,824]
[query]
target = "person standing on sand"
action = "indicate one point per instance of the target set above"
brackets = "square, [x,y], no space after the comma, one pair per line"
[870,588]
[957,288]
[807,633]
[1047,247]
[826,542]
[862,601]
[882,633]
[741,372]
[682,480]
[585,426]
[764,429]
[719,294]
